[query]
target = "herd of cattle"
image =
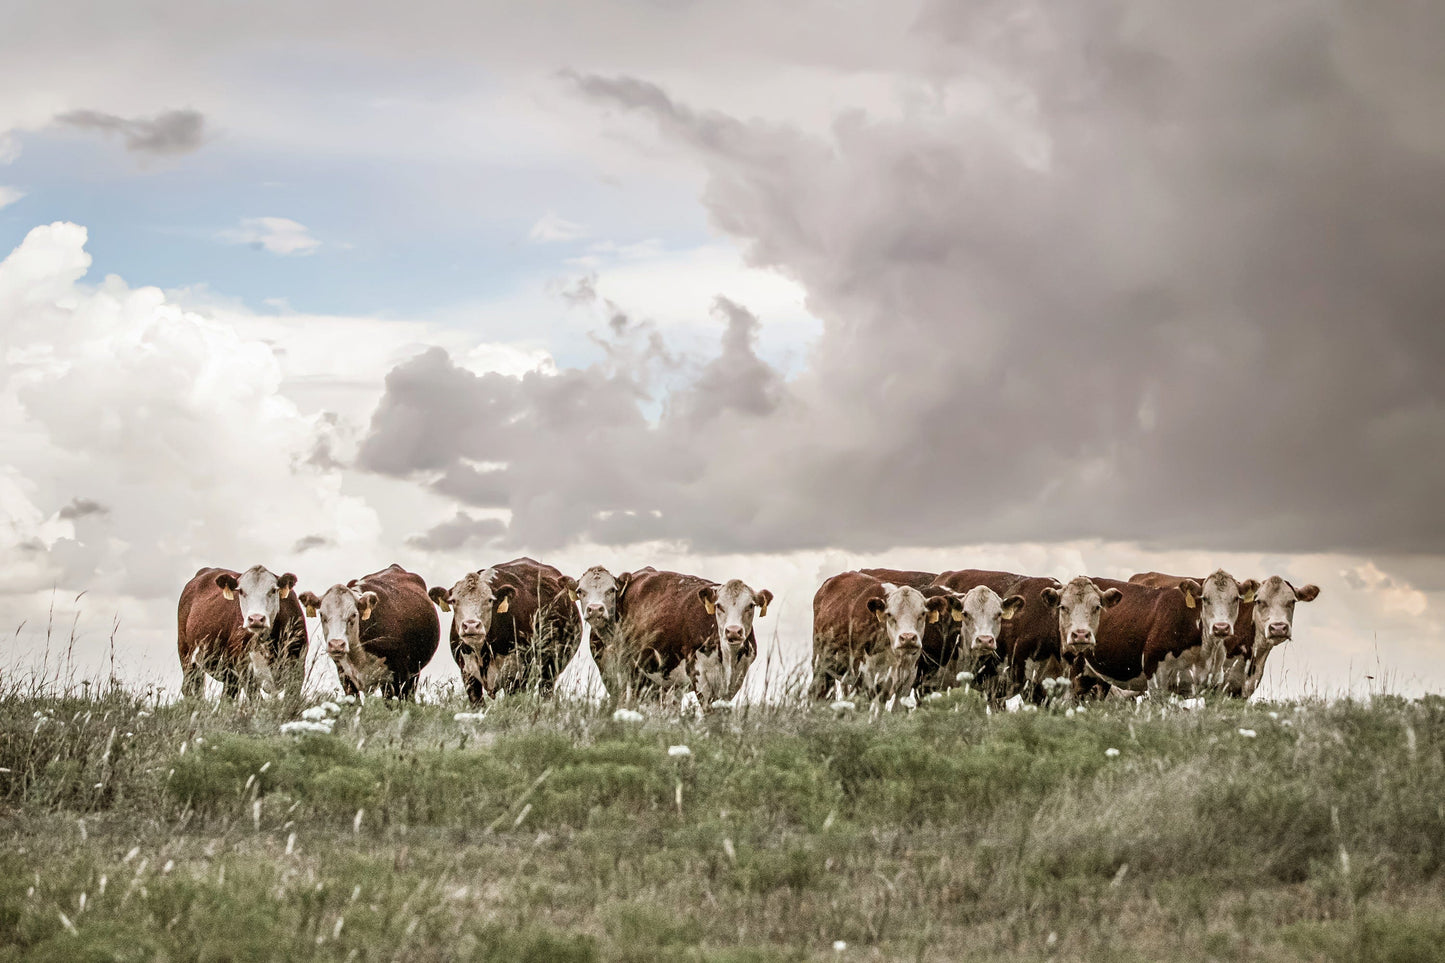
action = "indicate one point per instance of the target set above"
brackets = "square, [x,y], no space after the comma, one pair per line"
[884,633]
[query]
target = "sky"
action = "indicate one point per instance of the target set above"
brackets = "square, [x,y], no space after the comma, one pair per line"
[728,288]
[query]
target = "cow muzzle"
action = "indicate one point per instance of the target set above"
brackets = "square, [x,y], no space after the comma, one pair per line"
[256,623]
[733,633]
[472,629]
[908,641]
[336,648]
[1279,630]
[1221,630]
[985,643]
[1081,642]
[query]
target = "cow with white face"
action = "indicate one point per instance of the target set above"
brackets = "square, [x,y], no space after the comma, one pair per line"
[1221,602]
[246,629]
[732,606]
[1081,605]
[380,631]
[1272,616]
[474,605]
[596,595]
[870,633]
[981,614]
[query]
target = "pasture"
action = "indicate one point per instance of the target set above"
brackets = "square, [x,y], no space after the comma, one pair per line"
[136,828]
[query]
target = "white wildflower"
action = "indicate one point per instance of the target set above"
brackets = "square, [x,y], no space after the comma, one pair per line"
[1111,752]
[839,946]
[469,716]
[909,701]
[1014,704]
[348,700]
[1195,703]
[627,715]
[316,714]
[1248,733]
[933,696]
[676,751]
[304,725]
[964,677]
[1080,710]
[843,705]
[1068,713]
[1274,715]
[722,704]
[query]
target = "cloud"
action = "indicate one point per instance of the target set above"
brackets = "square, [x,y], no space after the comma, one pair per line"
[553,228]
[458,532]
[170,133]
[82,508]
[9,195]
[278,235]
[307,542]
[9,148]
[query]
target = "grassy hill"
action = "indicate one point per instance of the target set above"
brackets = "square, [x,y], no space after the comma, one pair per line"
[136,830]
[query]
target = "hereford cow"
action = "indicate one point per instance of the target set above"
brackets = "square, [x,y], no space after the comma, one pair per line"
[869,633]
[1267,623]
[380,631]
[244,629]
[1223,602]
[1124,634]
[1028,643]
[666,629]
[513,626]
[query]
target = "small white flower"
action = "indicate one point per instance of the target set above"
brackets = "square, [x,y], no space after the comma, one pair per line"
[1014,704]
[1274,715]
[722,703]
[348,700]
[676,751]
[1068,713]
[316,714]
[469,716]
[1248,733]
[839,946]
[1195,703]
[843,705]
[305,725]
[1080,710]
[1111,752]
[142,714]
[964,677]
[909,701]
[933,696]
[627,715]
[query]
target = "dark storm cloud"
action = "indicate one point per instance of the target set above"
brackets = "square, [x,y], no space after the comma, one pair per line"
[168,133]
[83,507]
[458,532]
[307,542]
[1178,278]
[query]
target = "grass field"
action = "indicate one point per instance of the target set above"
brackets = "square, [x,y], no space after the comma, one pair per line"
[139,831]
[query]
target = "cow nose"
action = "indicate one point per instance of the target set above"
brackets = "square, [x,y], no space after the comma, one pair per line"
[471,626]
[594,609]
[733,633]
[1221,629]
[1279,630]
[1080,636]
[335,647]
[907,640]
[256,621]
[985,642]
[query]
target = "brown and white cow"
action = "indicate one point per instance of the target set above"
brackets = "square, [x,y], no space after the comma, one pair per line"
[1028,642]
[1267,622]
[244,629]
[1222,602]
[667,629]
[513,626]
[869,633]
[380,631]
[936,668]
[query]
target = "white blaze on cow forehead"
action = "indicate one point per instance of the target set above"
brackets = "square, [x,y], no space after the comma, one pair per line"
[258,592]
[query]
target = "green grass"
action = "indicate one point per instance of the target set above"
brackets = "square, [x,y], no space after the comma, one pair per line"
[136,830]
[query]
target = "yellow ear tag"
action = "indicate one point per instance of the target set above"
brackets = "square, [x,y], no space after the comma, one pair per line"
[1247,597]
[762,609]
[505,602]
[711,609]
[1188,600]
[230,596]
[932,615]
[285,591]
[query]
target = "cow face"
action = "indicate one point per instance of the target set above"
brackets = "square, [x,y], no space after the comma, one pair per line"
[733,606]
[342,610]
[1274,612]
[1218,600]
[473,604]
[1081,603]
[983,614]
[258,594]
[596,594]
[904,613]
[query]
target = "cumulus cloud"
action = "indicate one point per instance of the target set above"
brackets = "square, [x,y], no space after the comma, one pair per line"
[9,195]
[82,508]
[554,228]
[9,148]
[169,133]
[459,532]
[278,235]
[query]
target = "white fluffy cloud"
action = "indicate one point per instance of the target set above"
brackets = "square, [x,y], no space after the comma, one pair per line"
[278,235]
[9,195]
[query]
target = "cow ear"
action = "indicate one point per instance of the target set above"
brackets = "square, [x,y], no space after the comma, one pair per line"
[877,606]
[1051,595]
[503,595]
[441,596]
[311,602]
[936,605]
[1307,593]
[1247,590]
[1113,597]
[764,598]
[569,585]
[708,594]
[1012,606]
[353,583]
[286,583]
[623,580]
[227,583]
[1192,591]
[366,603]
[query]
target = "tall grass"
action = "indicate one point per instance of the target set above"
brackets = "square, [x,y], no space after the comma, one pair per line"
[140,828]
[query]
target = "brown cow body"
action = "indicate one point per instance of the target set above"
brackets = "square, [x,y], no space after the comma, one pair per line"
[865,634]
[212,639]
[380,631]
[1028,644]
[1146,630]
[938,662]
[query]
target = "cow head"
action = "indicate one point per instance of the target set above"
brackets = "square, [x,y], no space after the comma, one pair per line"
[258,593]
[596,594]
[1274,612]
[904,613]
[1080,603]
[1218,600]
[733,606]
[983,614]
[342,609]
[473,604]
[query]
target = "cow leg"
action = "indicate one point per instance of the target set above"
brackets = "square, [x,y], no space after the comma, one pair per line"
[230,684]
[193,682]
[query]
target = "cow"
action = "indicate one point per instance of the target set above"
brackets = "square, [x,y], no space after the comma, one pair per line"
[869,633]
[1269,622]
[380,631]
[1123,634]
[666,629]
[1028,643]
[940,639]
[245,629]
[1223,603]
[513,625]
